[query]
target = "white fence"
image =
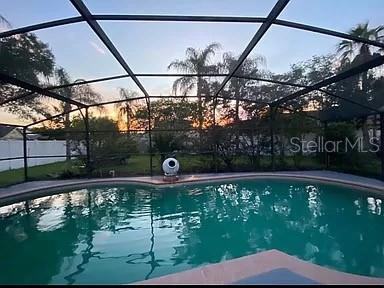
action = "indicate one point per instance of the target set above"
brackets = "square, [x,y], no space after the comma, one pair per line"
[14,148]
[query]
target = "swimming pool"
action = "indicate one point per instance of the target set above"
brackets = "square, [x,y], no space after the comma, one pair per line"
[127,233]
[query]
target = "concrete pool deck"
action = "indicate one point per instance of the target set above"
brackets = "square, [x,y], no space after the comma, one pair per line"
[268,267]
[26,190]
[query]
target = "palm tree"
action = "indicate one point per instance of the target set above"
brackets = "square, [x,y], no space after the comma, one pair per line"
[82,93]
[64,79]
[197,61]
[126,108]
[355,53]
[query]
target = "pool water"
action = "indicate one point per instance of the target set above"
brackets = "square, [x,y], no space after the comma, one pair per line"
[127,233]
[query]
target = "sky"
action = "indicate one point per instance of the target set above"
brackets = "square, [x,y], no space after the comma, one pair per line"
[149,47]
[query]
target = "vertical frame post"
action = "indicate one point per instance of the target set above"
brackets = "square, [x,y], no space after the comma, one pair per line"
[150,137]
[326,160]
[382,144]
[25,153]
[87,144]
[214,134]
[253,149]
[272,112]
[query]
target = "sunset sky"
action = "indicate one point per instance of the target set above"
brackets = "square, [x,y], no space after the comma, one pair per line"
[149,47]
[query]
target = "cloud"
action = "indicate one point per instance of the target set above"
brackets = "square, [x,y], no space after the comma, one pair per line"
[97,47]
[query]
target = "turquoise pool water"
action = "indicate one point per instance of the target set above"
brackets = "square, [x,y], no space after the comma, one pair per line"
[122,234]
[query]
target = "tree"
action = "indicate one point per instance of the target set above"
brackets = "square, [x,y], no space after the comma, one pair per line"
[105,147]
[239,87]
[165,142]
[64,79]
[82,93]
[224,140]
[307,72]
[126,108]
[355,53]
[255,137]
[169,116]
[342,157]
[196,62]
[290,126]
[27,58]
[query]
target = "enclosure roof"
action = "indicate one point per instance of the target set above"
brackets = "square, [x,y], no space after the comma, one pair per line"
[104,22]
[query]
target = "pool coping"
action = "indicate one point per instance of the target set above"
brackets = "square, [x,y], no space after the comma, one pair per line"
[231,271]
[26,190]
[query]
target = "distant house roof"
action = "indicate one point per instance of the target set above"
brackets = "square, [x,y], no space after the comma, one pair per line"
[11,132]
[5,130]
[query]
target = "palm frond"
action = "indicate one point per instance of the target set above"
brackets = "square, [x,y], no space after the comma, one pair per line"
[125,107]
[126,94]
[209,51]
[379,29]
[184,85]
[4,22]
[185,66]
[191,53]
[345,45]
[260,60]
[346,49]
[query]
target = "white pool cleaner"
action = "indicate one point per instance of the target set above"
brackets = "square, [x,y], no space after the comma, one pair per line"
[170,167]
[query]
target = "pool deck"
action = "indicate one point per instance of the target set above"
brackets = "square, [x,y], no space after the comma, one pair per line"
[26,190]
[268,267]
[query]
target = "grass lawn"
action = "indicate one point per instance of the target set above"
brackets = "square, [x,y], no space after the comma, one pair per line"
[369,169]
[139,165]
[47,171]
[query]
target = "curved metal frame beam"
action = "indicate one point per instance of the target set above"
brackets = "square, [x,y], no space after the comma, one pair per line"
[145,75]
[91,19]
[53,117]
[377,61]
[328,32]
[179,18]
[87,16]
[308,86]
[129,100]
[40,26]
[37,89]
[276,10]
[108,79]
[12,125]
[182,18]
[190,75]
